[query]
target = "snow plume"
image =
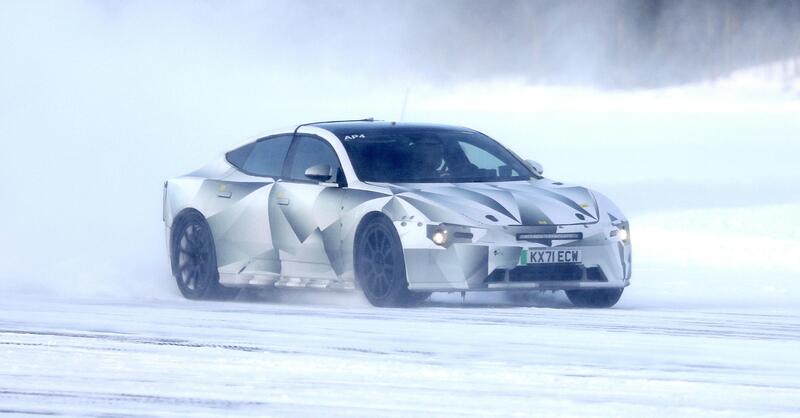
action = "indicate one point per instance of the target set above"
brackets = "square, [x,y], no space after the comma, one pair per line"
[610,43]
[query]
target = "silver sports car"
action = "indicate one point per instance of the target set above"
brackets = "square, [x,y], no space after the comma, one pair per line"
[398,210]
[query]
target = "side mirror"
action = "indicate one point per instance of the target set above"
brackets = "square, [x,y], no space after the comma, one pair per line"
[319,172]
[535,167]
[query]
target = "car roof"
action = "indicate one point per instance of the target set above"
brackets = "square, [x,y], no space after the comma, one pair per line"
[340,129]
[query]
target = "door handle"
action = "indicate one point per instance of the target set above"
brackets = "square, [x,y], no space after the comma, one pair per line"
[226,195]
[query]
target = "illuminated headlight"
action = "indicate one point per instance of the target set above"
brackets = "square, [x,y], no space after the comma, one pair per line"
[445,235]
[439,236]
[622,231]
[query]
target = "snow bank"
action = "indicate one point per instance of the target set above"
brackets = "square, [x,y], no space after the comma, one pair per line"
[734,257]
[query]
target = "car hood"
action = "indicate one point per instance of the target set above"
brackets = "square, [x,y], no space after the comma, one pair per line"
[530,203]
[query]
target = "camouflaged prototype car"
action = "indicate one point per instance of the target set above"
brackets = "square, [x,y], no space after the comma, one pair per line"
[398,210]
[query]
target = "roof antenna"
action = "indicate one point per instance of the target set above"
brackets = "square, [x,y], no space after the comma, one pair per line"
[405,102]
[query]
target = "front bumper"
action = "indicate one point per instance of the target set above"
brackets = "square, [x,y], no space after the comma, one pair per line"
[490,259]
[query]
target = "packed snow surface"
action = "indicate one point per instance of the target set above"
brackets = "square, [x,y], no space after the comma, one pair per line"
[446,358]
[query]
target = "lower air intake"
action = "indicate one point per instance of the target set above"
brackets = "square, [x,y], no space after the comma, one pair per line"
[595,274]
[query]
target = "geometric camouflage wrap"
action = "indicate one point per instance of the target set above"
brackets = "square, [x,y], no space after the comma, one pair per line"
[272,231]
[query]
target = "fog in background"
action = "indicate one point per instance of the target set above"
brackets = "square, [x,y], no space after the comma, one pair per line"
[678,110]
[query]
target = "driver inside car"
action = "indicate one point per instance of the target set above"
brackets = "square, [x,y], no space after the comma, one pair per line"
[427,155]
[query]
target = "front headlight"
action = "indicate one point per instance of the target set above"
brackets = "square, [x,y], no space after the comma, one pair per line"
[439,236]
[445,234]
[622,231]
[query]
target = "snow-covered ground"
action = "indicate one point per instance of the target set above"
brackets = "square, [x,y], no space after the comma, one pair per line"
[446,359]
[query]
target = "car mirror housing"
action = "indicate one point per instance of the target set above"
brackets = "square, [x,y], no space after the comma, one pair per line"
[535,167]
[319,172]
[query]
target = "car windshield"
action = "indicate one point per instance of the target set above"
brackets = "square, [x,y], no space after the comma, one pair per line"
[431,156]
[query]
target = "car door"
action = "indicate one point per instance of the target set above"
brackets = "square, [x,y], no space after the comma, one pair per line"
[244,243]
[304,214]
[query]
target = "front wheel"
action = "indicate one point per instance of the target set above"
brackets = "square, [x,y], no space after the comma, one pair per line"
[380,267]
[594,298]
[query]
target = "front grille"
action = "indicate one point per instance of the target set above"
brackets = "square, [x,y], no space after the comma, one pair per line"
[542,273]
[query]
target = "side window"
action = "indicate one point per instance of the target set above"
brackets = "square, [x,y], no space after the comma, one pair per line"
[267,156]
[238,156]
[309,152]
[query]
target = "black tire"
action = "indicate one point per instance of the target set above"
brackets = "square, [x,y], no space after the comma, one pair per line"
[194,259]
[380,266]
[594,298]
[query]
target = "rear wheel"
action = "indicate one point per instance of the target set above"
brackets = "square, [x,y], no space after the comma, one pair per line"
[194,260]
[594,298]
[380,267]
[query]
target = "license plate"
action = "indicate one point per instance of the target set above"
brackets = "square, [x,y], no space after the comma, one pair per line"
[551,256]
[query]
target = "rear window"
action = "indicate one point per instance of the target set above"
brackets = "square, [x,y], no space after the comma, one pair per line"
[238,156]
[264,157]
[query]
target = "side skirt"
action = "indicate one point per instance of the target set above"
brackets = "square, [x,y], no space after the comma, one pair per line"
[275,280]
